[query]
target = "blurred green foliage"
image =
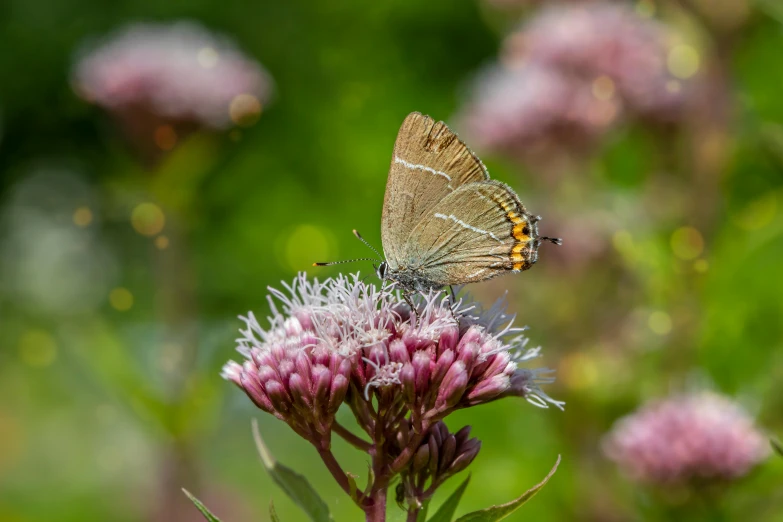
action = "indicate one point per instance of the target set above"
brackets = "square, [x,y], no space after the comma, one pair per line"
[113,403]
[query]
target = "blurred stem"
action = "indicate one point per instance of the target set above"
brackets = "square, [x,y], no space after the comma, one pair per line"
[354,440]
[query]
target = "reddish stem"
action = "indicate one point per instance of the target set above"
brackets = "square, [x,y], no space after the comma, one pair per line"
[376,512]
[352,439]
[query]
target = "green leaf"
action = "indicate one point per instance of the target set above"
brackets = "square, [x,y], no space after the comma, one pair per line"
[201,507]
[292,483]
[272,513]
[446,511]
[777,446]
[502,511]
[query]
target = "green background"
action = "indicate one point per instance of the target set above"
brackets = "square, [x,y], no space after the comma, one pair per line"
[106,413]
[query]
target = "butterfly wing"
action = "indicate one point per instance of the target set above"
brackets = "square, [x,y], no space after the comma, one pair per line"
[478,231]
[429,163]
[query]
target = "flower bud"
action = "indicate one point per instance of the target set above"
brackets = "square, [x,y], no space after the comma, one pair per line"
[467,452]
[432,466]
[300,392]
[337,392]
[453,386]
[448,449]
[398,352]
[253,390]
[489,389]
[441,367]
[322,382]
[408,381]
[304,368]
[421,458]
[468,354]
[232,371]
[421,364]
[278,396]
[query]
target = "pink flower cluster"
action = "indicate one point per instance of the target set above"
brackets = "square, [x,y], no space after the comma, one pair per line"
[568,75]
[685,439]
[178,72]
[343,341]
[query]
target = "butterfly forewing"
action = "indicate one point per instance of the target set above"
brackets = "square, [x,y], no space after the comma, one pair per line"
[476,232]
[429,163]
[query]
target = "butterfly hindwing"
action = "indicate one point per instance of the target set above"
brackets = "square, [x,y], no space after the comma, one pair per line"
[429,163]
[476,232]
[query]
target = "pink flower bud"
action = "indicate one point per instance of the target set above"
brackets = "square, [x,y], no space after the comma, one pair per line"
[253,390]
[489,389]
[408,380]
[337,392]
[448,338]
[453,386]
[322,382]
[441,367]
[300,392]
[421,365]
[278,396]
[398,352]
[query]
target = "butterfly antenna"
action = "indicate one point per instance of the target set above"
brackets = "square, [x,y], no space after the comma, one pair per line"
[555,240]
[355,233]
[345,261]
[360,238]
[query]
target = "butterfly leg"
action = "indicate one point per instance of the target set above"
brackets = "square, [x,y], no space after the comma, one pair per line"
[407,297]
[452,304]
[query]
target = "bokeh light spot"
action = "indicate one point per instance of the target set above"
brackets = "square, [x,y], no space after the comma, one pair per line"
[37,348]
[683,61]
[165,137]
[147,219]
[82,216]
[307,244]
[162,242]
[603,88]
[660,322]
[701,266]
[687,243]
[121,299]
[244,109]
[207,57]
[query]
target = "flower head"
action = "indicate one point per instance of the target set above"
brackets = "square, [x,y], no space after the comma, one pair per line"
[685,439]
[346,341]
[178,72]
[568,75]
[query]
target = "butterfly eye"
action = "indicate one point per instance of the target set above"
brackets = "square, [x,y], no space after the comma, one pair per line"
[381,270]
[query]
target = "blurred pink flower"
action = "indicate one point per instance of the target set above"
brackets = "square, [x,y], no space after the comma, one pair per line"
[346,341]
[517,110]
[592,40]
[177,72]
[568,75]
[685,439]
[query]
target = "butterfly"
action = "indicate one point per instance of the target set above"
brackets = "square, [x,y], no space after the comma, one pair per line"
[444,221]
